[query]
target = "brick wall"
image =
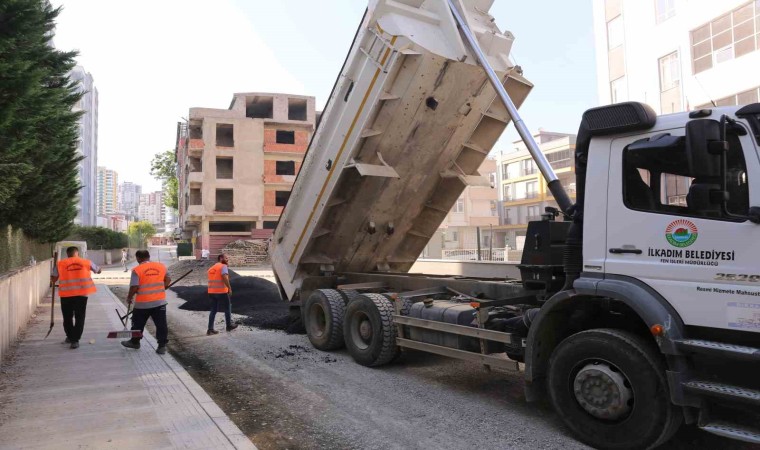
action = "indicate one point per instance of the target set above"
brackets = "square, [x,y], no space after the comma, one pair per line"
[271,145]
[270,173]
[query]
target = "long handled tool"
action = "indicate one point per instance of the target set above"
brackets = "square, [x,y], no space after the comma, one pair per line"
[125,333]
[52,299]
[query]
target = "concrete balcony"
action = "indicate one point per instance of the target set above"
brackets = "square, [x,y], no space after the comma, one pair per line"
[484,221]
[195,147]
[195,177]
[270,147]
[273,210]
[279,179]
[194,212]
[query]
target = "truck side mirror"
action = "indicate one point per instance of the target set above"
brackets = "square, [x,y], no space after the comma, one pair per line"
[754,214]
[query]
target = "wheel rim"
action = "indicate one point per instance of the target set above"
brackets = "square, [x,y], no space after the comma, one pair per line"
[317,320]
[361,330]
[603,391]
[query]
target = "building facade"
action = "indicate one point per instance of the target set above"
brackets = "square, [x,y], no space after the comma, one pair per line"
[677,55]
[87,147]
[523,193]
[472,218]
[108,191]
[129,198]
[236,166]
[152,209]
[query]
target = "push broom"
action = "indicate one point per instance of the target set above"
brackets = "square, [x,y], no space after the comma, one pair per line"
[137,334]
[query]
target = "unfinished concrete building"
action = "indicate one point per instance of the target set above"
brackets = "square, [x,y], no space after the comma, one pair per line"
[237,166]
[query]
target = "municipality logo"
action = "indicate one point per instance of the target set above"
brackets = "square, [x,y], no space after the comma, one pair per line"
[681,233]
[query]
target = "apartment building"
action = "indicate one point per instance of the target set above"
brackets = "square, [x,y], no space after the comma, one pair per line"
[473,217]
[677,55]
[108,191]
[236,166]
[87,147]
[129,198]
[152,209]
[523,193]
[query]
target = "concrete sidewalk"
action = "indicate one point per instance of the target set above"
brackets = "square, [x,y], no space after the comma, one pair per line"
[103,396]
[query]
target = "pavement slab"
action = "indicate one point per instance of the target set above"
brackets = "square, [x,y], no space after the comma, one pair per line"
[103,396]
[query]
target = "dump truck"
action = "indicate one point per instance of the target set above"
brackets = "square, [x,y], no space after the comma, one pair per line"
[635,311]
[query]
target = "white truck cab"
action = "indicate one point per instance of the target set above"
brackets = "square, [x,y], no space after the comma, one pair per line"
[657,218]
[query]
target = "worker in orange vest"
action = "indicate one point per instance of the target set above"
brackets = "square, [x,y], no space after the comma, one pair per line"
[74,285]
[148,289]
[219,291]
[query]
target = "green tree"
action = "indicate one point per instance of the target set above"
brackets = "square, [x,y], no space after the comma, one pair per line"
[140,232]
[99,237]
[163,167]
[38,130]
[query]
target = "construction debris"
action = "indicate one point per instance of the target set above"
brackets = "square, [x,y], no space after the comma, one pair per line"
[245,253]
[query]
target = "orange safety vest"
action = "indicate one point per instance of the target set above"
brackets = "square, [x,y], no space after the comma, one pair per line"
[216,280]
[74,277]
[151,288]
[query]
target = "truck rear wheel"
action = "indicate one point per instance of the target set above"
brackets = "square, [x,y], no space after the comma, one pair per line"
[609,387]
[323,319]
[368,329]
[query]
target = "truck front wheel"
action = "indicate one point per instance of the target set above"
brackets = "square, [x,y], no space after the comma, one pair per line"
[609,387]
[369,331]
[323,319]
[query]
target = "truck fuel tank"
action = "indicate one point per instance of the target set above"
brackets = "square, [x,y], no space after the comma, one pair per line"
[447,312]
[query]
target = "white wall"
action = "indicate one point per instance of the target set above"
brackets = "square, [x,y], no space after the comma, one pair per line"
[646,42]
[20,294]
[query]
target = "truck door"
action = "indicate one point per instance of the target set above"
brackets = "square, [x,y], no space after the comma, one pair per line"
[667,229]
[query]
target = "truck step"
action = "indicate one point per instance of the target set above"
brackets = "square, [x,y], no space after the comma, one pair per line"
[723,391]
[733,431]
[719,349]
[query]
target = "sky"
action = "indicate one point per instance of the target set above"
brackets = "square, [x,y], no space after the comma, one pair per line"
[153,60]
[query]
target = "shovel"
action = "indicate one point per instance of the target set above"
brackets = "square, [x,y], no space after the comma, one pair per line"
[128,334]
[52,299]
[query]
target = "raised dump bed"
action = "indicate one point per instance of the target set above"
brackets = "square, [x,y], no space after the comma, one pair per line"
[409,121]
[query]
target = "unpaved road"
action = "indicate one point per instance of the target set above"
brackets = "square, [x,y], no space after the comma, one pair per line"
[286,395]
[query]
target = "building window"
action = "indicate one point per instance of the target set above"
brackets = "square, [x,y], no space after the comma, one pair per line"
[534,213]
[285,137]
[742,98]
[507,219]
[726,37]
[224,135]
[296,109]
[195,197]
[528,167]
[459,206]
[224,168]
[285,168]
[670,83]
[615,33]
[454,236]
[531,189]
[618,90]
[281,198]
[259,107]
[664,9]
[236,227]
[507,191]
[559,159]
[224,200]
[270,224]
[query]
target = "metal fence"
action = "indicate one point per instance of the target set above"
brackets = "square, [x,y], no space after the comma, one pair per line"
[17,250]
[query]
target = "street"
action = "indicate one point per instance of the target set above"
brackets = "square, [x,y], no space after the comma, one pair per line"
[283,393]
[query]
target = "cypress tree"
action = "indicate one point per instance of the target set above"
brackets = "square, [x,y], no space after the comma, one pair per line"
[38,130]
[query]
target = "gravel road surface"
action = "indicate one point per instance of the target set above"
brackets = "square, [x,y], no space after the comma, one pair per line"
[285,394]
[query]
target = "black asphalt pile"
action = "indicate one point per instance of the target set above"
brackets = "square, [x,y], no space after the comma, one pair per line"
[198,275]
[256,298]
